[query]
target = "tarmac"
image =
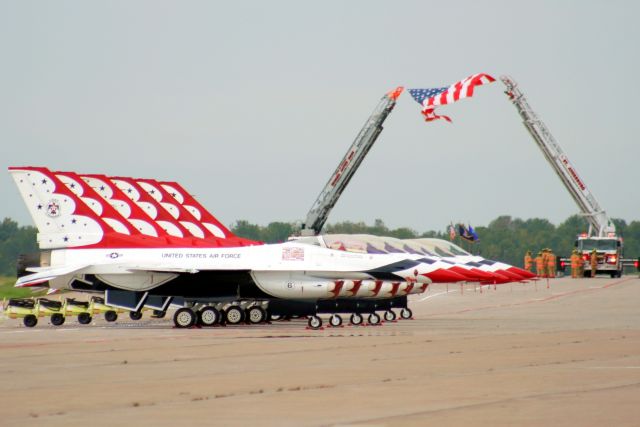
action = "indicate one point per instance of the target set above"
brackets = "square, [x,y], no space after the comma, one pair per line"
[520,354]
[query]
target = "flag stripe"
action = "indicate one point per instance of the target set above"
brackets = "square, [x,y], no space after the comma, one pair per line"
[431,98]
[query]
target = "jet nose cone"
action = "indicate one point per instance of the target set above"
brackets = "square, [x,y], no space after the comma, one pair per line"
[445,276]
[501,277]
[468,274]
[512,276]
[521,272]
[483,275]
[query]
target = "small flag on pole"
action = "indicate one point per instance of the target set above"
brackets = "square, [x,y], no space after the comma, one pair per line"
[431,98]
[452,232]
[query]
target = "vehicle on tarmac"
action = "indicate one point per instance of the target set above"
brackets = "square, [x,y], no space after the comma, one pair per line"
[31,309]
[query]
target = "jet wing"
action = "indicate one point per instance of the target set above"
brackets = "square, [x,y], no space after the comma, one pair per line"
[44,274]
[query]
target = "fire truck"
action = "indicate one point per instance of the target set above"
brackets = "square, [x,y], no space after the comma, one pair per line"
[601,235]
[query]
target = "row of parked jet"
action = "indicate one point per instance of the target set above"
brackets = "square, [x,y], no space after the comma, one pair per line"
[143,243]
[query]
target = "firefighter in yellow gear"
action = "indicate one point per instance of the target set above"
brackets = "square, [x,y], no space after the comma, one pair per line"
[575,263]
[594,263]
[540,265]
[580,265]
[545,263]
[551,264]
[528,261]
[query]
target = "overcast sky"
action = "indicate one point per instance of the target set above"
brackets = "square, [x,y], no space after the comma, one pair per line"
[251,105]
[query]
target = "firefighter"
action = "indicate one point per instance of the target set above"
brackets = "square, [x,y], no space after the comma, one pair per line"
[594,263]
[539,265]
[545,263]
[528,261]
[580,265]
[551,263]
[575,261]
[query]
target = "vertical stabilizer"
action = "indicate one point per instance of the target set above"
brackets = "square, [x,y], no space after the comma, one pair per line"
[62,219]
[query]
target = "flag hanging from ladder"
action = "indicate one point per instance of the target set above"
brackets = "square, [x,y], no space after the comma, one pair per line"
[431,98]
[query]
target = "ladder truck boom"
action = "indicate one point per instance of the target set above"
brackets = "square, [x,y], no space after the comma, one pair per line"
[365,139]
[599,223]
[601,244]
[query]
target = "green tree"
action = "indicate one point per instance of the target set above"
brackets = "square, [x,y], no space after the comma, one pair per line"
[14,241]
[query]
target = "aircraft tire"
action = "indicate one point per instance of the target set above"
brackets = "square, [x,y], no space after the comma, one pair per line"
[30,320]
[335,320]
[314,322]
[209,316]
[256,315]
[374,319]
[135,315]
[184,318]
[389,316]
[57,319]
[234,315]
[84,318]
[356,319]
[406,313]
[110,316]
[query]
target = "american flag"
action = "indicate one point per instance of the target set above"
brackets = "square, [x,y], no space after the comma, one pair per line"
[431,98]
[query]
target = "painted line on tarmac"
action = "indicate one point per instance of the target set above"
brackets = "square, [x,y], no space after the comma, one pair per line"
[434,295]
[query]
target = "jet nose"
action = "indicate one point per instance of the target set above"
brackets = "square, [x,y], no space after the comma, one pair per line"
[521,272]
[445,276]
[468,274]
[512,276]
[501,277]
[483,275]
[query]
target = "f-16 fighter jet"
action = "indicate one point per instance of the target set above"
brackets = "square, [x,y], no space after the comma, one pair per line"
[87,245]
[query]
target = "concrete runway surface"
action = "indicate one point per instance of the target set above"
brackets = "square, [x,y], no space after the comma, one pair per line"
[523,354]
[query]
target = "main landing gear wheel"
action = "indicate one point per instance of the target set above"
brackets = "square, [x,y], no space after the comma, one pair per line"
[389,316]
[234,315]
[356,319]
[256,315]
[374,319]
[335,320]
[57,319]
[275,317]
[110,316]
[184,318]
[30,320]
[209,316]
[135,315]
[84,318]
[406,313]
[315,322]
[157,314]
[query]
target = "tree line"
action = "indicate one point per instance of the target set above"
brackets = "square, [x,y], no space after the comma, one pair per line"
[505,238]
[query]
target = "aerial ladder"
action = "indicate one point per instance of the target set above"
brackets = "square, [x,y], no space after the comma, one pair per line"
[602,232]
[338,181]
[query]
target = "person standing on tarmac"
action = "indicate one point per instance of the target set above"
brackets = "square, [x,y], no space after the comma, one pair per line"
[551,264]
[528,261]
[540,265]
[580,265]
[594,263]
[575,259]
[545,263]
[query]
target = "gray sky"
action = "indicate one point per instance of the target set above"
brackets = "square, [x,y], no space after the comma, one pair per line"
[250,105]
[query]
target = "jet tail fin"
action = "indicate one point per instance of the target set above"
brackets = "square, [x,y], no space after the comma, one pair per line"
[61,218]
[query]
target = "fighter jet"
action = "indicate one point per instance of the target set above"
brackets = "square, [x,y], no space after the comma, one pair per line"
[87,245]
